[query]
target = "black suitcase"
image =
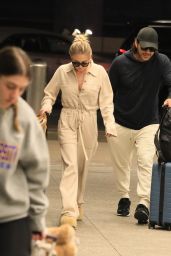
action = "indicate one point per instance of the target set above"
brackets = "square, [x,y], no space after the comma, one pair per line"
[160,199]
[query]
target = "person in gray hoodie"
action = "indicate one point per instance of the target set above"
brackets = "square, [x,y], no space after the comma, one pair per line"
[24,159]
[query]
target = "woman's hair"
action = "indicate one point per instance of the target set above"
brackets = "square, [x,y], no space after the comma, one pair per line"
[14,61]
[80,45]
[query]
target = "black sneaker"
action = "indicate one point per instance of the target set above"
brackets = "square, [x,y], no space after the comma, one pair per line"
[124,207]
[141,214]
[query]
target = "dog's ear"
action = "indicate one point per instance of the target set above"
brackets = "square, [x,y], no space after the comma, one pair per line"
[54,231]
[66,241]
[66,234]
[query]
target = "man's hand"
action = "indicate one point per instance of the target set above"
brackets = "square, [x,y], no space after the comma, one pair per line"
[167,102]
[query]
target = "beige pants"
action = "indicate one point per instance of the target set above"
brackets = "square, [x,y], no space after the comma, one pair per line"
[122,148]
[72,186]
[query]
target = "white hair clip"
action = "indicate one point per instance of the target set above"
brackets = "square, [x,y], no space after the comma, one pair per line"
[88,32]
[76,32]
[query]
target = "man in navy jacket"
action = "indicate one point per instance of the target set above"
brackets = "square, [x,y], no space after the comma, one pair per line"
[136,77]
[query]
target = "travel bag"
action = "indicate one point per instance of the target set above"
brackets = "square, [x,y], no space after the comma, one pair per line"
[162,138]
[160,199]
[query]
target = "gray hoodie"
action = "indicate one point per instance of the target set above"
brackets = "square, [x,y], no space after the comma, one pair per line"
[24,171]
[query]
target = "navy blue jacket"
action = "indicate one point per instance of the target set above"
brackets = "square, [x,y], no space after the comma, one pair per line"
[136,88]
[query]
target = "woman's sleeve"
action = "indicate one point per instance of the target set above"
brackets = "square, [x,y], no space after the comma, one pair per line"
[106,104]
[51,92]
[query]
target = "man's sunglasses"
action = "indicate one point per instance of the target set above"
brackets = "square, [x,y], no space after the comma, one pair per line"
[76,64]
[150,49]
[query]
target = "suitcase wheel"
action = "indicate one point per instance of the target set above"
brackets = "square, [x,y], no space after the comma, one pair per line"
[151,225]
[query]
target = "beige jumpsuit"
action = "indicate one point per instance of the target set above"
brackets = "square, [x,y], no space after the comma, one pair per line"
[77,126]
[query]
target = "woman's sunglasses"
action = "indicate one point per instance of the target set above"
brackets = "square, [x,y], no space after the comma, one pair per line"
[76,64]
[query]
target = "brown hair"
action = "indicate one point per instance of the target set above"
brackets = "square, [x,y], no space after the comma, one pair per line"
[133,46]
[14,61]
[80,45]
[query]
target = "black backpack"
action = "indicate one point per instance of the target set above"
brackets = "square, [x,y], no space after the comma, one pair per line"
[162,138]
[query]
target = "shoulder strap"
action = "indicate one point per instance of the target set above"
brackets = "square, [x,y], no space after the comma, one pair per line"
[163,116]
[156,138]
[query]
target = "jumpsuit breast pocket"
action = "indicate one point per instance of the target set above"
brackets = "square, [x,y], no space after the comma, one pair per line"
[91,95]
[68,95]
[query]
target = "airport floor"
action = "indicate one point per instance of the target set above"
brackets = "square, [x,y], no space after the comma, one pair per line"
[102,232]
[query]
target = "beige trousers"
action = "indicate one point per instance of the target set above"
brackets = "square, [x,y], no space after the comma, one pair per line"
[77,133]
[122,148]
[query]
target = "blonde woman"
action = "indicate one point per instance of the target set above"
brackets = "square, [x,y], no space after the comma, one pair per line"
[85,88]
[23,159]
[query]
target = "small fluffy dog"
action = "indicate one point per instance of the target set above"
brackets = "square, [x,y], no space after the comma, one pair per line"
[59,241]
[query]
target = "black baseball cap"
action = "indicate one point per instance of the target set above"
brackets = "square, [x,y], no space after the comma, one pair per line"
[148,37]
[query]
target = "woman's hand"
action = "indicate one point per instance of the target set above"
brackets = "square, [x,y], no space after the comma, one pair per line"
[42,112]
[37,235]
[109,135]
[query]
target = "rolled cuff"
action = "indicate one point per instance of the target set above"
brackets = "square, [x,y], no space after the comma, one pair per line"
[111,129]
[38,223]
[47,108]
